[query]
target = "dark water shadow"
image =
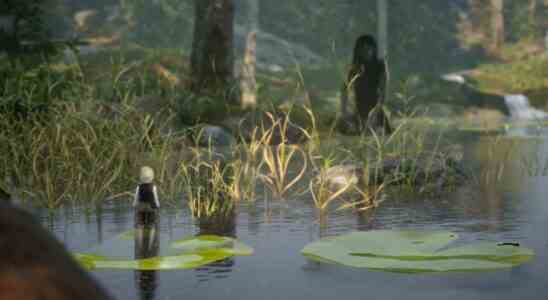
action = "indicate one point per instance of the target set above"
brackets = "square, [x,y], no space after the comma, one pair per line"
[147,244]
[221,224]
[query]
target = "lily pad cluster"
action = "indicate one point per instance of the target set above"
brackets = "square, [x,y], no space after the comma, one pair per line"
[187,253]
[414,252]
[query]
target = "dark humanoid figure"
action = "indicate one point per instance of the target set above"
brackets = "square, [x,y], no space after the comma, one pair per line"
[35,265]
[367,79]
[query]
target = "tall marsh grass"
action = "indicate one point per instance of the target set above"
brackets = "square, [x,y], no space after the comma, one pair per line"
[72,151]
[90,150]
[66,158]
[277,159]
[207,185]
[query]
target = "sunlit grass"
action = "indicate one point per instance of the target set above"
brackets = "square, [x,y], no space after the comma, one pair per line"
[277,159]
[321,188]
[206,185]
[68,158]
[246,166]
[78,153]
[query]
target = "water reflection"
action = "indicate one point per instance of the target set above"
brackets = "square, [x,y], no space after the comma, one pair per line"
[222,224]
[147,244]
[510,208]
[99,221]
[365,220]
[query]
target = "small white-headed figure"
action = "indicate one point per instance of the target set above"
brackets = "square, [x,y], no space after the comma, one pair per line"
[146,200]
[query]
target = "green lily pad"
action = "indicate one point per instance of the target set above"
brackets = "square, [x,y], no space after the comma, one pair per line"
[188,253]
[413,252]
[201,242]
[177,262]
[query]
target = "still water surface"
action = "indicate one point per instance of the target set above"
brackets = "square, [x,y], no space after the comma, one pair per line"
[516,210]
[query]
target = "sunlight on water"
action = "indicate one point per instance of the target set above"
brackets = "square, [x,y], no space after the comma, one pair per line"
[512,210]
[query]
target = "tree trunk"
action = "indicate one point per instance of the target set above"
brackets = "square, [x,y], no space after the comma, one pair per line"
[248,83]
[382,28]
[212,58]
[476,11]
[497,24]
[546,42]
[532,11]
[544,9]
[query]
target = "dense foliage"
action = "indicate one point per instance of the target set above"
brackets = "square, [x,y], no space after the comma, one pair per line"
[23,27]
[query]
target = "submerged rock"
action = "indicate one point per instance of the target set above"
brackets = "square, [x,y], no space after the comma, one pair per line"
[214,136]
[423,170]
[342,175]
[437,169]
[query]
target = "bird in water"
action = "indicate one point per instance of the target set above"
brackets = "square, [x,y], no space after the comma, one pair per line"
[146,201]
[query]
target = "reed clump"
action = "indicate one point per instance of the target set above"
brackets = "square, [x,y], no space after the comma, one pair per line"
[207,185]
[90,150]
[276,160]
[76,153]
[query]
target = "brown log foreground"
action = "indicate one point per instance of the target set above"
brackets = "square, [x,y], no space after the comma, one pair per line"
[35,265]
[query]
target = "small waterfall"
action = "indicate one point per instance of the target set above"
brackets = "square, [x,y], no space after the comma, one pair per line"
[520,109]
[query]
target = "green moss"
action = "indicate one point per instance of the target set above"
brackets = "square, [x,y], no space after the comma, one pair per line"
[515,77]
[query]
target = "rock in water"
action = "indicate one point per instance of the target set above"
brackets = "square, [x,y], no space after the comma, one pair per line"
[340,176]
[425,170]
[214,136]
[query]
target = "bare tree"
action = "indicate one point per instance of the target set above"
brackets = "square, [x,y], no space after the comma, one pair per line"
[212,58]
[382,28]
[476,11]
[248,83]
[532,11]
[382,33]
[497,24]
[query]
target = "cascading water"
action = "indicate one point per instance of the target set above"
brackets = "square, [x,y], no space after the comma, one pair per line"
[523,113]
[520,109]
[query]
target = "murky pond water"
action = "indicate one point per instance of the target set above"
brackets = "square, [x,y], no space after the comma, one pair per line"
[516,209]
